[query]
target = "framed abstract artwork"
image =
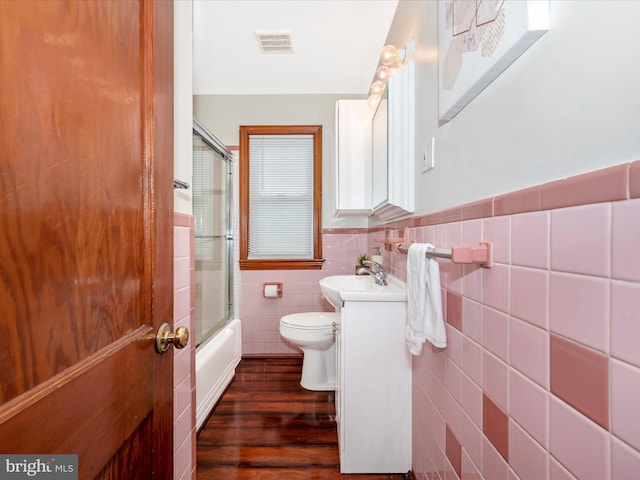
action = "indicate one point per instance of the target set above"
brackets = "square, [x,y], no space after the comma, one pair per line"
[478,40]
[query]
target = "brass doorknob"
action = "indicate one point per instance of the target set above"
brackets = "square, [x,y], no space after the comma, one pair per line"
[165,337]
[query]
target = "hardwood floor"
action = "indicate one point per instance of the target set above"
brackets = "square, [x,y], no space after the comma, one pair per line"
[266,426]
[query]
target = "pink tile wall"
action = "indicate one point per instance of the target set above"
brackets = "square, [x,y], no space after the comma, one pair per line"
[541,377]
[562,300]
[184,396]
[301,293]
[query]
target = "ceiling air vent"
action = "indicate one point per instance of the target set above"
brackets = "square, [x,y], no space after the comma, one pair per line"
[275,41]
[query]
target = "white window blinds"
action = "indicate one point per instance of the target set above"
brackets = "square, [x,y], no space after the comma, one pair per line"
[280,197]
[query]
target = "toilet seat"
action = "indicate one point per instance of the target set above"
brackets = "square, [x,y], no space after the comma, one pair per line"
[310,320]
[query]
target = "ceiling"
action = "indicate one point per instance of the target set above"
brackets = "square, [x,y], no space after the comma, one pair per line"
[336,44]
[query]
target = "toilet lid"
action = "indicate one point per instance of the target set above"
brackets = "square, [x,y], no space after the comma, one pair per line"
[310,320]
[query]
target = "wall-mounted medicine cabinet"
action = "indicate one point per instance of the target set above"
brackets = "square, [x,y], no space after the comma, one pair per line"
[375,153]
[352,167]
[393,146]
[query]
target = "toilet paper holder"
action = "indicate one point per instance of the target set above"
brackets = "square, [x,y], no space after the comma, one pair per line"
[272,290]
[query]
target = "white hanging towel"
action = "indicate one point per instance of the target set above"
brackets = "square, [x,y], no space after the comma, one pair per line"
[424,300]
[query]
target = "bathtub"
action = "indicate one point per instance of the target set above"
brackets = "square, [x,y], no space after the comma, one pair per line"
[216,361]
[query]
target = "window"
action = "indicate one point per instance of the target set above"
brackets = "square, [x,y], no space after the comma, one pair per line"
[280,197]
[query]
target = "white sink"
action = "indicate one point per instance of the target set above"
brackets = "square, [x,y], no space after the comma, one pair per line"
[361,288]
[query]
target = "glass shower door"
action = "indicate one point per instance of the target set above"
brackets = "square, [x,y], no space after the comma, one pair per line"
[213,237]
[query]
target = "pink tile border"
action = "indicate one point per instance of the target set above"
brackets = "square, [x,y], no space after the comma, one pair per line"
[619,182]
[481,209]
[520,201]
[606,185]
[344,231]
[634,179]
[182,219]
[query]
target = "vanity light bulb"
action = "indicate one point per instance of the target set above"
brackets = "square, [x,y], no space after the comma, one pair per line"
[389,55]
[377,88]
[373,101]
[383,73]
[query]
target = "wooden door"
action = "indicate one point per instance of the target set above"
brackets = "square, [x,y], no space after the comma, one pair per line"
[86,242]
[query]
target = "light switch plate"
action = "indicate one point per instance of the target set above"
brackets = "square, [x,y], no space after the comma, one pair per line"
[428,155]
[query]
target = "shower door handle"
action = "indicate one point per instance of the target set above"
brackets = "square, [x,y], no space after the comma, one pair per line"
[165,337]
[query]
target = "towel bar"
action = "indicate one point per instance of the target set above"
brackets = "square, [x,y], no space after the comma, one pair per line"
[478,254]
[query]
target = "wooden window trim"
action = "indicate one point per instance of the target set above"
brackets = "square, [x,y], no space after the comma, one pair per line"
[314,263]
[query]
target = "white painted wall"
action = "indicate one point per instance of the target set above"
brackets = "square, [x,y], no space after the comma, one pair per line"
[182,101]
[570,104]
[223,114]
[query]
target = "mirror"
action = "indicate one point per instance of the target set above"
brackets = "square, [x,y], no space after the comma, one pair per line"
[393,146]
[379,153]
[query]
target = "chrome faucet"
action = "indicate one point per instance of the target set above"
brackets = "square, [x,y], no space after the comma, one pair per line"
[376,271]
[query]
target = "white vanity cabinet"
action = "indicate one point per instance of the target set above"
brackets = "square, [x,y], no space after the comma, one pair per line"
[373,394]
[352,157]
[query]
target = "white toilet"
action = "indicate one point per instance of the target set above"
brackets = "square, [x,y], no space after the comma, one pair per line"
[313,333]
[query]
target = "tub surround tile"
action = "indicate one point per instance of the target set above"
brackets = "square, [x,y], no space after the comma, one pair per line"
[580,377]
